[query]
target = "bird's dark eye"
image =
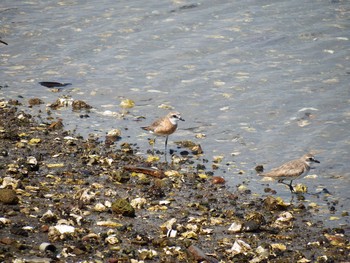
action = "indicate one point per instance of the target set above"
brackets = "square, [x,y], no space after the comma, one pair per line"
[174,116]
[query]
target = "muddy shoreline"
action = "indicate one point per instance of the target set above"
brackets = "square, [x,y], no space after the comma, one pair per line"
[64,198]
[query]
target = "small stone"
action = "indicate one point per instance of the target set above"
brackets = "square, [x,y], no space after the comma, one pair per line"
[8,197]
[123,207]
[79,104]
[259,168]
[217,180]
[35,101]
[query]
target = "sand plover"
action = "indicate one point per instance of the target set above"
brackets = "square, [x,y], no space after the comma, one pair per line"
[292,170]
[165,126]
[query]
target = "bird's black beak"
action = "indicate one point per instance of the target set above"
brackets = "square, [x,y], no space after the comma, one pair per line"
[316,161]
[181,119]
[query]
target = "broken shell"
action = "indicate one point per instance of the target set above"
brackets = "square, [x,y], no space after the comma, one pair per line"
[127,104]
[63,229]
[337,240]
[190,235]
[239,247]
[272,203]
[32,160]
[108,204]
[9,181]
[47,247]
[5,221]
[152,158]
[62,102]
[147,254]
[242,188]
[109,224]
[3,104]
[100,207]
[218,158]
[138,203]
[284,220]
[90,236]
[172,173]
[34,141]
[300,188]
[192,227]
[262,252]
[206,231]
[164,202]
[235,227]
[278,246]
[200,135]
[114,133]
[171,233]
[85,195]
[256,217]
[197,149]
[112,239]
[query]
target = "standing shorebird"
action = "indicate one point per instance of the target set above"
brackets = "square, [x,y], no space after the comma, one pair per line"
[165,126]
[292,170]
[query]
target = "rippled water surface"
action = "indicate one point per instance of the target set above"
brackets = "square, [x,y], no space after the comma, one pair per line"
[265,81]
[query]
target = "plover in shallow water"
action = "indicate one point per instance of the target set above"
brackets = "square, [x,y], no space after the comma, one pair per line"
[165,126]
[292,170]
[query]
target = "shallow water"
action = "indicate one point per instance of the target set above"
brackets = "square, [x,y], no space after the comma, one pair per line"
[264,81]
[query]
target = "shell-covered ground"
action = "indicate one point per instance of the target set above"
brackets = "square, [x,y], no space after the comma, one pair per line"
[64,198]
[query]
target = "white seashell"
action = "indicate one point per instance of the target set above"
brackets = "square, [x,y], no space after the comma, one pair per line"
[8,181]
[164,202]
[78,218]
[192,227]
[114,132]
[235,227]
[285,217]
[100,207]
[138,203]
[32,160]
[207,231]
[112,240]
[47,247]
[5,220]
[108,204]
[28,228]
[239,247]
[3,104]
[64,229]
[171,233]
[70,138]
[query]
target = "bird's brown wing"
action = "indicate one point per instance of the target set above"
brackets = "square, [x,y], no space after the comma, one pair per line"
[164,128]
[290,169]
[153,125]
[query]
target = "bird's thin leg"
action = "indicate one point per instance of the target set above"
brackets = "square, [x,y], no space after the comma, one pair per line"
[291,187]
[166,144]
[165,150]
